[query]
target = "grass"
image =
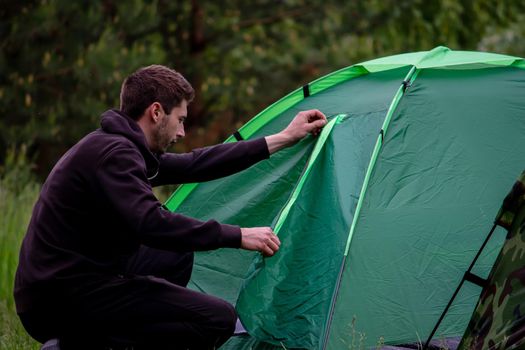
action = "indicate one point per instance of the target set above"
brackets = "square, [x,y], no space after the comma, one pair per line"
[18,193]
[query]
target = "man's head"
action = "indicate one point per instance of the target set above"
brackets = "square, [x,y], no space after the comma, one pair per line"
[150,84]
[157,98]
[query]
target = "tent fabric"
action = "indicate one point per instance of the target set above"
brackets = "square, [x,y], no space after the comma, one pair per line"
[498,321]
[425,198]
[441,57]
[380,216]
[320,234]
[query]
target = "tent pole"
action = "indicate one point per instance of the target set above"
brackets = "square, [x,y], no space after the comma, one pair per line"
[468,276]
[332,309]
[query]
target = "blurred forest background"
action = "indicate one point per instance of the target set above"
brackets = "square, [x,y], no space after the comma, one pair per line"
[62,61]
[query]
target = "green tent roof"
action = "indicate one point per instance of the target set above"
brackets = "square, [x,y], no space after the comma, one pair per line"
[440,57]
[437,57]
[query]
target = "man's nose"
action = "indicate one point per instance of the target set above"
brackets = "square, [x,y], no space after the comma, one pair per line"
[180,132]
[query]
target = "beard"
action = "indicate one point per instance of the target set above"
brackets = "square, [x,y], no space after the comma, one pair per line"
[161,136]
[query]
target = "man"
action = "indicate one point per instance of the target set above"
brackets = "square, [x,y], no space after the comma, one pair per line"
[103,263]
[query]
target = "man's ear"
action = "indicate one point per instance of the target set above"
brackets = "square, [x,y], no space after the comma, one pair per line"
[154,111]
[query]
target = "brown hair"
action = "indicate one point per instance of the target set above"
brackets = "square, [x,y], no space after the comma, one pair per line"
[150,84]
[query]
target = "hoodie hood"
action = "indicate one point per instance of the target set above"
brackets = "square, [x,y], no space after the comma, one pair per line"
[114,121]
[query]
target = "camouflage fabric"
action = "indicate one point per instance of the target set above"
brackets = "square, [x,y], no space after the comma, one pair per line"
[512,203]
[498,321]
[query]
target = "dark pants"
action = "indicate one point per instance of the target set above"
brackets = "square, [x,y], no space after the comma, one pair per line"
[149,308]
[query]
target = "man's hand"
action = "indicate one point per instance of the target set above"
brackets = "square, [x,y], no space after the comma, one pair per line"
[304,123]
[260,239]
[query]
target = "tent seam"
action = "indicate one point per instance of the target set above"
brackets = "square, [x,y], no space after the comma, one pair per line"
[410,77]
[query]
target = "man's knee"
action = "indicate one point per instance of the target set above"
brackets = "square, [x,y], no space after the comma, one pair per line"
[225,318]
[221,325]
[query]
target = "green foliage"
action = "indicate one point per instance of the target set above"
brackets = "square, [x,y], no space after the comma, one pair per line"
[12,334]
[15,173]
[62,62]
[357,338]
[18,192]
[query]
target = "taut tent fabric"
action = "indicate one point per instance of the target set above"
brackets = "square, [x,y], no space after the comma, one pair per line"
[379,216]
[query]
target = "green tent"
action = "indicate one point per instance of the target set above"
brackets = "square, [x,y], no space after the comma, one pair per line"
[498,321]
[380,215]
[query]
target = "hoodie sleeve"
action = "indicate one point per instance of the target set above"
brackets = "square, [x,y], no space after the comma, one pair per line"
[210,163]
[122,177]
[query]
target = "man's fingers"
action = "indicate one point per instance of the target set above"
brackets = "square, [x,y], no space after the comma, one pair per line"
[267,251]
[319,123]
[315,114]
[276,240]
[273,246]
[315,127]
[270,244]
[316,121]
[261,239]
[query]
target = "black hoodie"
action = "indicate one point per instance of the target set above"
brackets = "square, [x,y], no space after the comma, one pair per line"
[97,207]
